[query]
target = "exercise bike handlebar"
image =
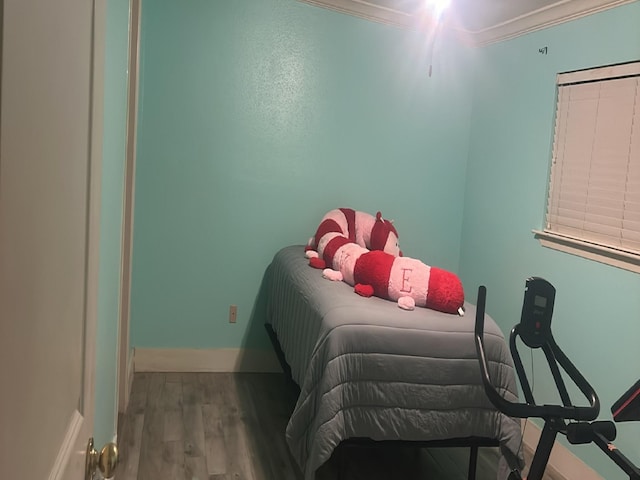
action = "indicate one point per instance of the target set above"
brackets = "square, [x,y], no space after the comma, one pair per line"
[524,410]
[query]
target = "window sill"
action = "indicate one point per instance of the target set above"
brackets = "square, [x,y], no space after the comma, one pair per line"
[609,256]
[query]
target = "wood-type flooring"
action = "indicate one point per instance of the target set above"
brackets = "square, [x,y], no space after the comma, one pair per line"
[231,426]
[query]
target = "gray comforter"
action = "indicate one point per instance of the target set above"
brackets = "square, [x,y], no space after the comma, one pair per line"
[369,369]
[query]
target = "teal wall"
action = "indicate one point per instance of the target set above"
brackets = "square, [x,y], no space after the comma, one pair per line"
[113,162]
[597,314]
[257,117]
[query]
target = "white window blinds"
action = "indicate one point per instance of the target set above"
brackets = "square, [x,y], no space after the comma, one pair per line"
[594,191]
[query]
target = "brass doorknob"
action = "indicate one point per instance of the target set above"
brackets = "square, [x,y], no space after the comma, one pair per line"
[106,460]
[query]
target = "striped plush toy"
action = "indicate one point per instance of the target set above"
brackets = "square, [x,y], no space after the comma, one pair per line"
[373,233]
[378,270]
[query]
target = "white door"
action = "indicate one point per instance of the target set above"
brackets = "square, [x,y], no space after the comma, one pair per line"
[50,153]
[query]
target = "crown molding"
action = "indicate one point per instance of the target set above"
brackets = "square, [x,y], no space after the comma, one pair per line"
[554,14]
[368,11]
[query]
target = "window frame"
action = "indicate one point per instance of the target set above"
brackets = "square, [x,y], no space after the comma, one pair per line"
[586,248]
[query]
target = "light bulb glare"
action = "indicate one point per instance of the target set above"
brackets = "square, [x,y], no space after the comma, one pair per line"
[438,7]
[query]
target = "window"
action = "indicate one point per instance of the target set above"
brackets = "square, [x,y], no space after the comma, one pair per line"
[593,205]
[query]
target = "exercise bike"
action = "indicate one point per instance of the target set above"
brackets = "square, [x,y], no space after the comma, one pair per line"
[577,423]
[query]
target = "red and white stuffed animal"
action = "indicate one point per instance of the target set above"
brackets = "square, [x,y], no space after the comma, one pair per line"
[373,233]
[405,280]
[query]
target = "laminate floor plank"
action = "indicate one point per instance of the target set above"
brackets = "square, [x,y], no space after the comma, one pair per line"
[155,387]
[173,426]
[173,377]
[268,459]
[193,431]
[129,446]
[138,394]
[171,398]
[172,464]
[234,425]
[223,426]
[151,445]
[192,392]
[210,388]
[195,468]
[214,446]
[188,422]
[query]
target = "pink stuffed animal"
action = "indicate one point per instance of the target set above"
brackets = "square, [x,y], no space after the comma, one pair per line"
[373,233]
[405,280]
[343,246]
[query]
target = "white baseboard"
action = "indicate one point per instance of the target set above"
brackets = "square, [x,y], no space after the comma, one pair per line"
[66,452]
[563,464]
[205,360]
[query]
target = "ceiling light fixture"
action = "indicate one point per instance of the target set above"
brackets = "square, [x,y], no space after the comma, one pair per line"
[438,7]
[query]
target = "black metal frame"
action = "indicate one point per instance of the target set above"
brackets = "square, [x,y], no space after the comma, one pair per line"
[473,443]
[617,456]
[584,430]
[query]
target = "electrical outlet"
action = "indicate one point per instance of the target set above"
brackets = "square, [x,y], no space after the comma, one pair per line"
[233,313]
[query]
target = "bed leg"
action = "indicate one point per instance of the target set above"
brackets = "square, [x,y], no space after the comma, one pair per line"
[473,462]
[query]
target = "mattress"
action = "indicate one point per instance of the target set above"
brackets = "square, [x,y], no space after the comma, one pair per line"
[368,369]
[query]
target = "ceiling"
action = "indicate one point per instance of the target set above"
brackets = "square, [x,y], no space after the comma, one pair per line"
[483,21]
[473,15]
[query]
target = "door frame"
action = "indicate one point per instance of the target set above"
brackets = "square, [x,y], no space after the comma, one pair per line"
[125,358]
[95,204]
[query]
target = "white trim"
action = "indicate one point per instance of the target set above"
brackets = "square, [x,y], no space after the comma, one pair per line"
[124,358]
[608,256]
[205,360]
[93,221]
[563,464]
[58,471]
[601,73]
[554,14]
[366,10]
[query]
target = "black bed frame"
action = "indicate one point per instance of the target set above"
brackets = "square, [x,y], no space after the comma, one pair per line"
[472,442]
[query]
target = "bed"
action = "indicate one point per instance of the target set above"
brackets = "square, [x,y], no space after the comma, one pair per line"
[369,370]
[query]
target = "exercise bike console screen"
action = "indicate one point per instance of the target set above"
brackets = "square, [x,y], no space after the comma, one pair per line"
[537,311]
